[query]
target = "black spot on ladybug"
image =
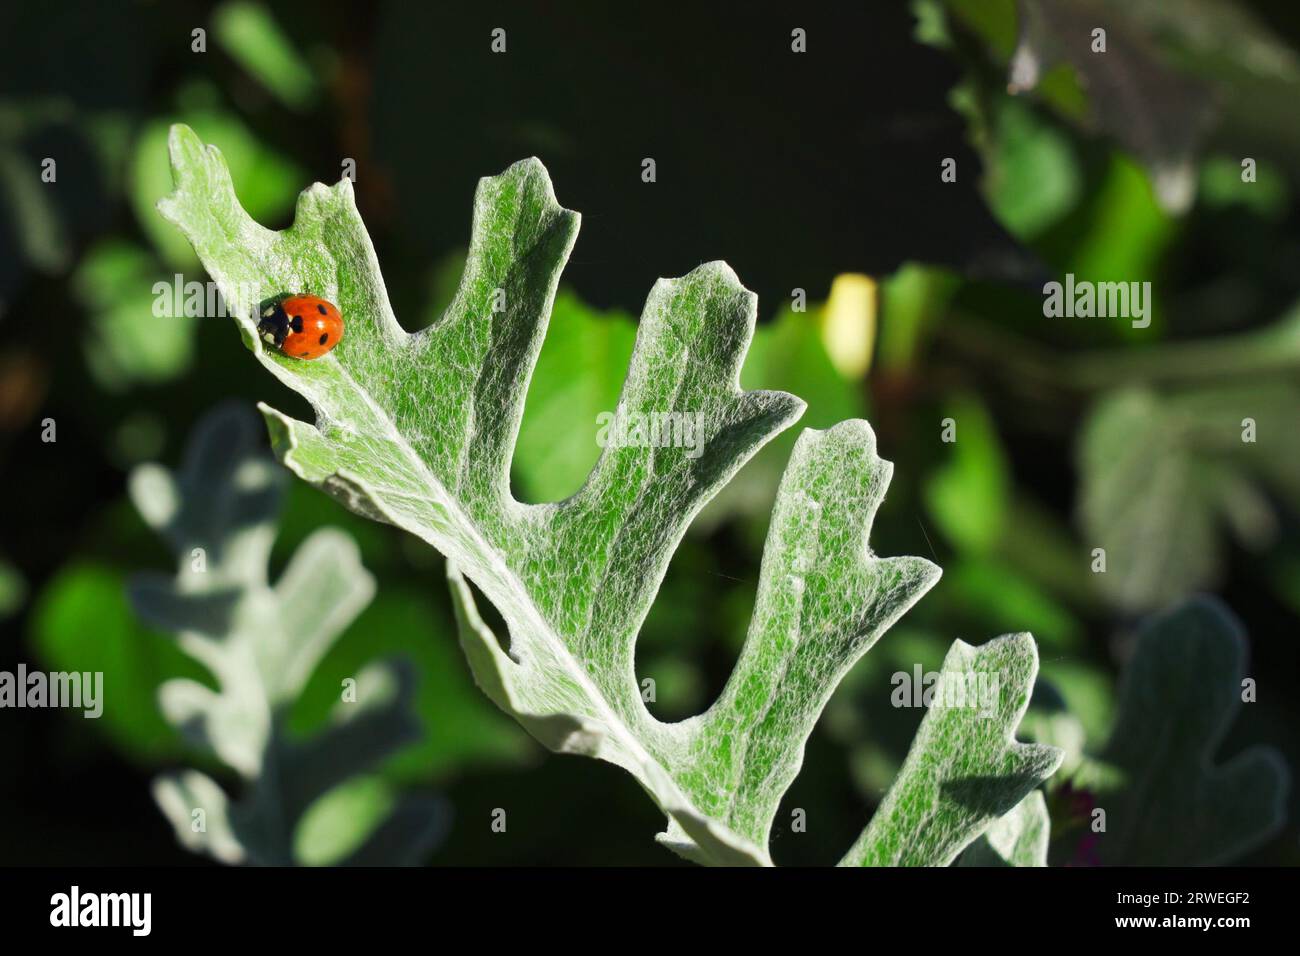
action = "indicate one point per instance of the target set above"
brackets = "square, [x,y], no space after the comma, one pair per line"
[303,354]
[297,323]
[324,337]
[321,310]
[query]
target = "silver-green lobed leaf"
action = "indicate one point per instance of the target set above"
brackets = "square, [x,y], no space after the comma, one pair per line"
[261,643]
[965,768]
[1019,838]
[418,430]
[1168,801]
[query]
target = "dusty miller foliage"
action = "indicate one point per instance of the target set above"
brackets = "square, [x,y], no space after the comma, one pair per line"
[261,642]
[417,430]
[1169,799]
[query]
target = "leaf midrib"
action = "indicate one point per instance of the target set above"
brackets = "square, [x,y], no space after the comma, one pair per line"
[496,560]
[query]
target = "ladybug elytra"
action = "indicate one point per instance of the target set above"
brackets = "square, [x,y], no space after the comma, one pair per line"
[301,326]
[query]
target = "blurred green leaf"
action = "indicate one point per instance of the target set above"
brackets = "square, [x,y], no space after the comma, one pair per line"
[1126,232]
[1032,178]
[968,495]
[1221,185]
[140,436]
[999,596]
[1172,804]
[128,343]
[579,375]
[444,280]
[912,300]
[694,602]
[83,622]
[338,823]
[249,33]
[41,233]
[365,822]
[1161,474]
[1118,234]
[1042,548]
[677,684]
[1087,692]
[995,20]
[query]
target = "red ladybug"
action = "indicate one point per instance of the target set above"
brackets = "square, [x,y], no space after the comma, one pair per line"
[301,326]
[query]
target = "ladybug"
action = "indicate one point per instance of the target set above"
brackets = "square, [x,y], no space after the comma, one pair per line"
[301,326]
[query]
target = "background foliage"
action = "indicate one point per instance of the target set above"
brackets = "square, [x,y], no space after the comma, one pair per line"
[794,170]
